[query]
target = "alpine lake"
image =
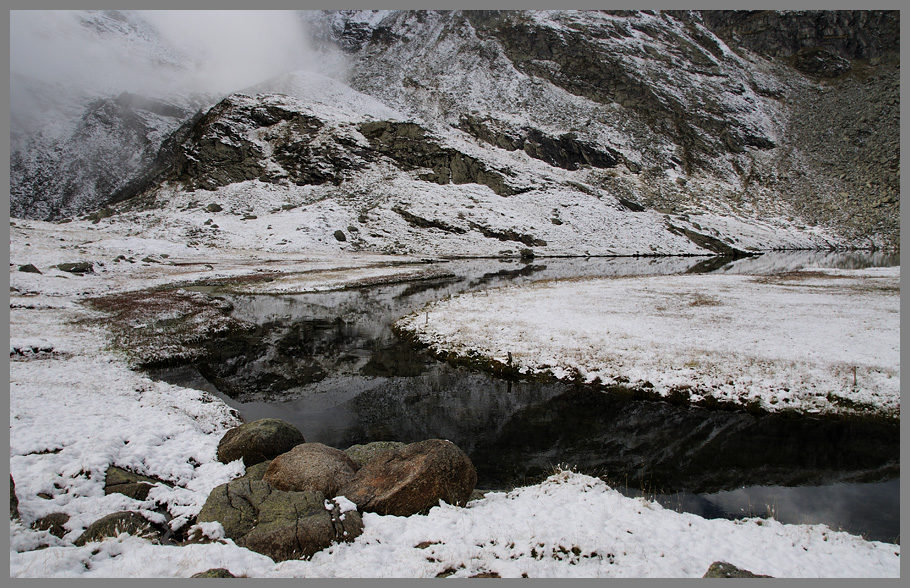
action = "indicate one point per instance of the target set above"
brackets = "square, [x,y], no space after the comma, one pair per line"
[330,364]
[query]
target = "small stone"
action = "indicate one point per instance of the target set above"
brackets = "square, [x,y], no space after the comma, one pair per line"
[80,267]
[53,523]
[29,268]
[722,569]
[214,573]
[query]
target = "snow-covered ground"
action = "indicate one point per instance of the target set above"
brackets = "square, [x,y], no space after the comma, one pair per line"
[813,341]
[77,409]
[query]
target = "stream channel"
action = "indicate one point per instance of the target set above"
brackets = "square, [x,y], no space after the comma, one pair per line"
[329,363]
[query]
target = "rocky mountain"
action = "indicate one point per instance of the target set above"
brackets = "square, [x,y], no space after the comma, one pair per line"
[513,133]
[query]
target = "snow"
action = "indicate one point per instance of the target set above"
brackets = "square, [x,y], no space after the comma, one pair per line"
[810,341]
[76,409]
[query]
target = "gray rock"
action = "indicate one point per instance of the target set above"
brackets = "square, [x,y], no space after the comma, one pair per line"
[280,525]
[52,523]
[214,573]
[13,499]
[361,454]
[114,524]
[79,267]
[340,236]
[214,207]
[121,481]
[722,569]
[413,479]
[311,466]
[256,471]
[258,441]
[29,268]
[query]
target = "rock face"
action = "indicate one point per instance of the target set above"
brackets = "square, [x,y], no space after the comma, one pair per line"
[114,141]
[258,441]
[280,525]
[311,466]
[413,479]
[114,524]
[722,569]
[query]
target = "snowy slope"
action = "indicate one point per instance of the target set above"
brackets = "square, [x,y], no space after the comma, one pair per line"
[569,133]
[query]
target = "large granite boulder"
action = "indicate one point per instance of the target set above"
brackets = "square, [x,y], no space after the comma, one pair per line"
[361,454]
[280,525]
[114,524]
[412,479]
[258,441]
[311,466]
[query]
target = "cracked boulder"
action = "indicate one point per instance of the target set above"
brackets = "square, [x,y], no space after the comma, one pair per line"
[311,466]
[280,525]
[258,441]
[413,479]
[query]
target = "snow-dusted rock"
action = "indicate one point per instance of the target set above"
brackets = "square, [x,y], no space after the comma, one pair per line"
[258,441]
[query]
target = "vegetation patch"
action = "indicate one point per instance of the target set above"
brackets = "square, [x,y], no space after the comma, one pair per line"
[162,327]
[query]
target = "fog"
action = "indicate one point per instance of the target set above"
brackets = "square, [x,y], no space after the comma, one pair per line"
[59,59]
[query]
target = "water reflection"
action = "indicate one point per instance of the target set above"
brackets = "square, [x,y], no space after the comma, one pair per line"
[329,363]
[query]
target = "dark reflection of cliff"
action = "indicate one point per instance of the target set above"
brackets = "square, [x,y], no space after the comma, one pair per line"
[675,449]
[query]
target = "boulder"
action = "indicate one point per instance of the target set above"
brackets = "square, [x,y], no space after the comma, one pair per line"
[114,524]
[258,441]
[52,523]
[13,499]
[29,268]
[280,525]
[722,569]
[214,573]
[311,466]
[256,471]
[412,479]
[361,454]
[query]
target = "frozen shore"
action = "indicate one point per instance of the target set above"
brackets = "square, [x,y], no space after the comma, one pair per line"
[813,341]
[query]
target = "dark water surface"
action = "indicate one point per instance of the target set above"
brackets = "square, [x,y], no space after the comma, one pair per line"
[329,363]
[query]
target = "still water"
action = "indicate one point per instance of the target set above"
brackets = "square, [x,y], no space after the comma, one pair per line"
[330,364]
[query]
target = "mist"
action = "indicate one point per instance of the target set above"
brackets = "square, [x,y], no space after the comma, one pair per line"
[61,59]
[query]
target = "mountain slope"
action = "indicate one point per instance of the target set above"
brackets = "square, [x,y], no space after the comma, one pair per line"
[509,133]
